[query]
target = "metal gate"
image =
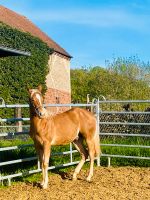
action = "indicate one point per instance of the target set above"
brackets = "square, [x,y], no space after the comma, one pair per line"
[113,122]
[120,120]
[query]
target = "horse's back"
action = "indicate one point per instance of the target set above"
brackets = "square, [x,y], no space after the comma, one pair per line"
[77,119]
[87,122]
[81,115]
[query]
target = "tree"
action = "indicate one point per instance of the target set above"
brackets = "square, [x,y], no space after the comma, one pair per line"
[98,81]
[131,67]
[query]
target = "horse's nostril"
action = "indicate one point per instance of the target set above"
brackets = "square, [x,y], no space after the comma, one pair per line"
[40,114]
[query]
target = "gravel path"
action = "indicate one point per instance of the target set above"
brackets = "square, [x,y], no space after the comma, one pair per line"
[123,183]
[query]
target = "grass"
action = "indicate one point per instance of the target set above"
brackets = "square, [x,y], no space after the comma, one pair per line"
[128,151]
[57,160]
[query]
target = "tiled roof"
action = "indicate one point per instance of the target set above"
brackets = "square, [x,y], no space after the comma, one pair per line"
[20,22]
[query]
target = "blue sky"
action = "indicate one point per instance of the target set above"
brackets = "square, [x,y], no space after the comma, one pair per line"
[92,31]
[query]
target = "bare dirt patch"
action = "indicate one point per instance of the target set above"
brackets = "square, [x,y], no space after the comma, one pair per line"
[107,184]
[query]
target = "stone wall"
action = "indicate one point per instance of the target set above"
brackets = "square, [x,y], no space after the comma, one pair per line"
[58,81]
[59,73]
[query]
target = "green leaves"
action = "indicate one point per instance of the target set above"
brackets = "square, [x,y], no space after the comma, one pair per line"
[16,72]
[131,67]
[98,81]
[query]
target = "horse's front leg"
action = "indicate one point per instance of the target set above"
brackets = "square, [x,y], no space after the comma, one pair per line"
[39,150]
[45,163]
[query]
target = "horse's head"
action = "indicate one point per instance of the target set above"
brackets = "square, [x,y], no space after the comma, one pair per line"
[36,101]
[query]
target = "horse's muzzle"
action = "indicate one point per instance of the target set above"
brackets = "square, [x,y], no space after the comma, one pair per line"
[41,112]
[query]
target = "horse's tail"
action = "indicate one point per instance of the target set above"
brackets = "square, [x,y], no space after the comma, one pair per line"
[97,145]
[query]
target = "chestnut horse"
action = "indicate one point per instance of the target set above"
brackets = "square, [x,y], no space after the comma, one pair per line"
[74,126]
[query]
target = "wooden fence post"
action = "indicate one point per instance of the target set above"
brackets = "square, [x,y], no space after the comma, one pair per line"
[18,123]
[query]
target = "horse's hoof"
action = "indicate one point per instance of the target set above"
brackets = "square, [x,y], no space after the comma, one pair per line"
[74,178]
[88,179]
[44,187]
[42,183]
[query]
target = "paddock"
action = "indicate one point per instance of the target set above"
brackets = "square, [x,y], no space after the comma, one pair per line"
[108,184]
[124,136]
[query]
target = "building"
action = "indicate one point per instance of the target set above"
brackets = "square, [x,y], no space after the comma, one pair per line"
[58,78]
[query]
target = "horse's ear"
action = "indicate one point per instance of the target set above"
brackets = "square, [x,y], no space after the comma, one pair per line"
[28,89]
[40,88]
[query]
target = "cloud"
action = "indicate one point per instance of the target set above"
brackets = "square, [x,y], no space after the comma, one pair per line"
[101,17]
[106,18]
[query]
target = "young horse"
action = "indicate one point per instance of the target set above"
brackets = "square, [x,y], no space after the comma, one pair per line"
[73,126]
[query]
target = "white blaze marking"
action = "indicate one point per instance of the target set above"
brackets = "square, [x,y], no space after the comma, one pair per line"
[39,98]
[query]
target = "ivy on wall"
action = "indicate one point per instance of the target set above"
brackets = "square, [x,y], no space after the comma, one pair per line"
[18,72]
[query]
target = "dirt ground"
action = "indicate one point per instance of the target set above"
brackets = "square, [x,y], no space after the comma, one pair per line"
[107,184]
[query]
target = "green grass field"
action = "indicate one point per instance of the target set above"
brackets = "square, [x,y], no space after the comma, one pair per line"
[29,151]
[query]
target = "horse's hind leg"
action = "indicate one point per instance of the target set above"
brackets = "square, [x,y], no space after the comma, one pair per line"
[91,147]
[84,155]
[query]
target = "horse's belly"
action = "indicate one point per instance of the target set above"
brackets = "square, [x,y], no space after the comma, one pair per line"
[62,140]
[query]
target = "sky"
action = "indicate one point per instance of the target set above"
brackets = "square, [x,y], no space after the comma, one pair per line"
[92,31]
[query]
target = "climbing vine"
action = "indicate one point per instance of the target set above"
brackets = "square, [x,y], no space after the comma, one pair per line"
[19,71]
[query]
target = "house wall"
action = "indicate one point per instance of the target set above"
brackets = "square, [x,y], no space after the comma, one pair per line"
[58,81]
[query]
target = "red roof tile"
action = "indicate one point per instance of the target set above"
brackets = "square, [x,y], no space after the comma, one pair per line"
[20,22]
